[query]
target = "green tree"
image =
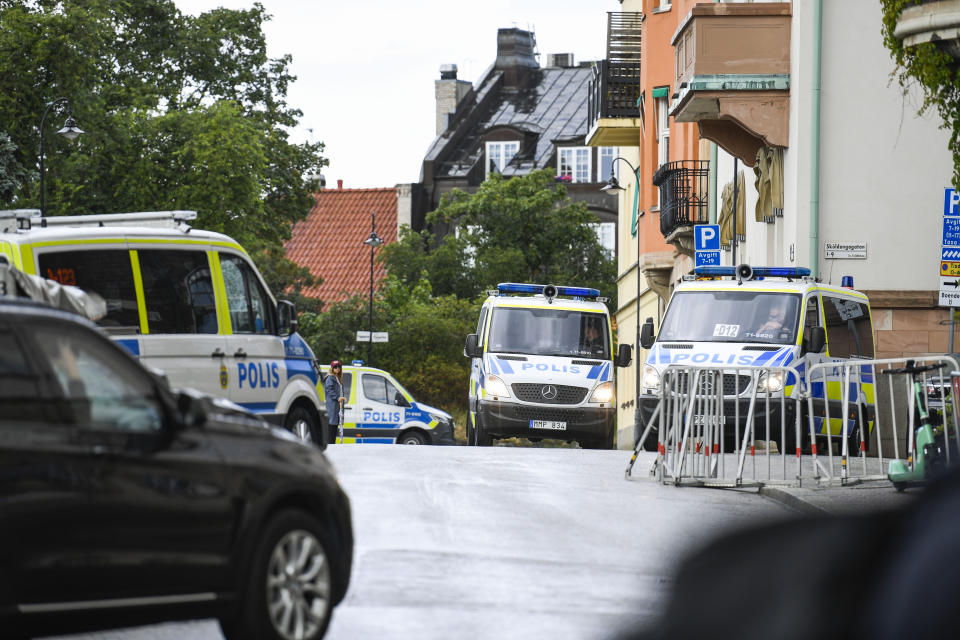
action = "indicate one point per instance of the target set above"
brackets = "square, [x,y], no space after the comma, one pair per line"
[12,173]
[523,229]
[933,69]
[179,111]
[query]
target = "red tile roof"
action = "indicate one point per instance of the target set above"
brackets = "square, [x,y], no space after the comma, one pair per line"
[330,241]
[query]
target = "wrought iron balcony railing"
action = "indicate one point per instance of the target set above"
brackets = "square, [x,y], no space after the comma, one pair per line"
[615,86]
[684,194]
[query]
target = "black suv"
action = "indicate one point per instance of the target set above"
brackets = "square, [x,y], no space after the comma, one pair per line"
[123,502]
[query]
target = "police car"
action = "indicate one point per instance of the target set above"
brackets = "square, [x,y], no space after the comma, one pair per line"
[185,301]
[742,317]
[379,410]
[542,366]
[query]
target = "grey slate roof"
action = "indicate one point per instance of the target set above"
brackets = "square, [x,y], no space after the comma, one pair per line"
[553,108]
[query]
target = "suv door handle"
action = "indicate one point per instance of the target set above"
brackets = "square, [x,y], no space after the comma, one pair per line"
[240,354]
[217,353]
[348,408]
[368,408]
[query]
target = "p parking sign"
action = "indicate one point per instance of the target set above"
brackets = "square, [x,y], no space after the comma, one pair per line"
[706,237]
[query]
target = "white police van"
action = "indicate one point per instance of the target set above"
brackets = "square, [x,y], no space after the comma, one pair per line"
[542,367]
[185,301]
[379,410]
[722,318]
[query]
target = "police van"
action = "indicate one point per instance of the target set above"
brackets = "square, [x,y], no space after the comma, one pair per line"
[379,410]
[742,317]
[542,366]
[185,301]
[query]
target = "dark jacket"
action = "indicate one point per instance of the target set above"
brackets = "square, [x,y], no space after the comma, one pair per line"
[332,390]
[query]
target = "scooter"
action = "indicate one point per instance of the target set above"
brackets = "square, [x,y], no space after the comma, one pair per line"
[926,457]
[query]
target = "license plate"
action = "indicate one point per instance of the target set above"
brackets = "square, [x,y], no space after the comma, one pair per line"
[553,425]
[709,420]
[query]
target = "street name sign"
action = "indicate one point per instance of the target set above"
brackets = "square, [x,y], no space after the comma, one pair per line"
[378,336]
[855,250]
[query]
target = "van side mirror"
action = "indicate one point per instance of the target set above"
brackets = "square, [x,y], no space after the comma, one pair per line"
[818,340]
[288,317]
[646,334]
[624,356]
[471,349]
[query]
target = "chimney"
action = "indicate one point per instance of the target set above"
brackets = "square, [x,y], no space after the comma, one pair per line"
[561,60]
[449,92]
[340,184]
[516,56]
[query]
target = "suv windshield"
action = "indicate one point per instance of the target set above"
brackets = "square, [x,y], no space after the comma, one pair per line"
[549,332]
[731,316]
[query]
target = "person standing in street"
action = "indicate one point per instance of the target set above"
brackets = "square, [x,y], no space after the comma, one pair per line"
[333,393]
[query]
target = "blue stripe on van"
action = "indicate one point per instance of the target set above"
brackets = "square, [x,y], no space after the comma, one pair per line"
[594,372]
[130,344]
[493,366]
[763,358]
[505,366]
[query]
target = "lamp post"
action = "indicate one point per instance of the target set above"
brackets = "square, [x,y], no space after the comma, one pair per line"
[374,241]
[614,186]
[70,131]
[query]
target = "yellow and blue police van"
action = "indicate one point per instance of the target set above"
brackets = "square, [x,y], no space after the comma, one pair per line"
[542,366]
[739,317]
[185,301]
[378,409]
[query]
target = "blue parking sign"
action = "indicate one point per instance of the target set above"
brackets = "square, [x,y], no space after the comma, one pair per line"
[707,259]
[706,237]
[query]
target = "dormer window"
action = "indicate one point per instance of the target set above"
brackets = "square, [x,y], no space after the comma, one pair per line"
[575,163]
[499,155]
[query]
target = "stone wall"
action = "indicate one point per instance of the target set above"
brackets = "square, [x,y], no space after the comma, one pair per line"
[909,332]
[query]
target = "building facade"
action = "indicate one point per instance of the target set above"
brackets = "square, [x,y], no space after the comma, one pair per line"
[791,109]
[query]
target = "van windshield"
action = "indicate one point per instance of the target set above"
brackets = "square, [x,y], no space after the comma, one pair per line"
[731,316]
[549,332]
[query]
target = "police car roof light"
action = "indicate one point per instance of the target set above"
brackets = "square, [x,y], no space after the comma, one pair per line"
[758,272]
[847,282]
[519,287]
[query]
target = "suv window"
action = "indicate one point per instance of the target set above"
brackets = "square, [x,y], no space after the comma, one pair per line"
[250,308]
[106,272]
[20,395]
[98,387]
[379,389]
[178,291]
[849,332]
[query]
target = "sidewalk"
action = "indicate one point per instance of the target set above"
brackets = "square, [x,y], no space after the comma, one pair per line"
[860,498]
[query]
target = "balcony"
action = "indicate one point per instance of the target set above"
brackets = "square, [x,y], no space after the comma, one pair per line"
[684,200]
[936,21]
[732,64]
[613,114]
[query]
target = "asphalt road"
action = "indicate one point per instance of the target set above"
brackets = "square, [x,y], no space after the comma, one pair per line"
[507,542]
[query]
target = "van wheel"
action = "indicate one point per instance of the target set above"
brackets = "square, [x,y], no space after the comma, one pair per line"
[290,589]
[481,438]
[300,423]
[412,437]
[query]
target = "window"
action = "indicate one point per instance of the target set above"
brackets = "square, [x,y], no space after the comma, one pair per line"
[379,389]
[547,332]
[499,155]
[663,135]
[483,316]
[607,236]
[811,320]
[575,163]
[106,272]
[849,331]
[20,398]
[178,291]
[99,388]
[251,310]
[607,166]
[731,316]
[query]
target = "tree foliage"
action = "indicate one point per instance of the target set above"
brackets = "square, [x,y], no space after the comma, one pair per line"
[522,229]
[179,112]
[933,68]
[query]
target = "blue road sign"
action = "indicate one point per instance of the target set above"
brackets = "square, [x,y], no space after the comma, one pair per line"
[706,237]
[951,202]
[950,255]
[707,259]
[951,232]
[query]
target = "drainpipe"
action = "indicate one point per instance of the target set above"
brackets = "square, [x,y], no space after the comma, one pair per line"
[815,143]
[712,204]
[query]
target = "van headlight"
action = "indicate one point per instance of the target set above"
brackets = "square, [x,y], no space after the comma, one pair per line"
[603,393]
[496,387]
[770,381]
[650,378]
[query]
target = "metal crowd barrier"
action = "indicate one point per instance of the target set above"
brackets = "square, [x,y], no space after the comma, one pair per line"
[726,427]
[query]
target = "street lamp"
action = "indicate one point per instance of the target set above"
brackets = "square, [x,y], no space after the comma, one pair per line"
[70,131]
[613,186]
[374,241]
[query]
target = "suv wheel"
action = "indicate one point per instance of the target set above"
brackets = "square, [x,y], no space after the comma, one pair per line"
[290,586]
[300,423]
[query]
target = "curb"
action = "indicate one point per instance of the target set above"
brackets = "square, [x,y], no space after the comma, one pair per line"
[792,500]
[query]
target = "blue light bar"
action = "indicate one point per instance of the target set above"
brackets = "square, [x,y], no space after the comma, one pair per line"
[781,272]
[715,271]
[574,292]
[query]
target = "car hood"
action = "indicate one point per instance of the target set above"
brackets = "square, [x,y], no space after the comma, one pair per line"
[425,408]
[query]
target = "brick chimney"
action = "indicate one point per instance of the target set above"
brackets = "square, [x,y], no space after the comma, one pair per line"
[516,56]
[449,92]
